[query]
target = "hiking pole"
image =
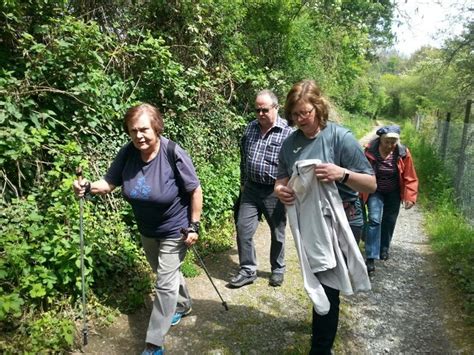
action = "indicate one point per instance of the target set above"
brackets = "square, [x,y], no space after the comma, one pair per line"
[81,238]
[184,231]
[224,303]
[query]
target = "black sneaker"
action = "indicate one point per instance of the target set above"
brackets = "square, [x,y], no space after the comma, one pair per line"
[370,266]
[276,279]
[384,254]
[240,280]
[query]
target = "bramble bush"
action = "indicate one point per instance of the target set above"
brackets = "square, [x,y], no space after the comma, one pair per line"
[61,110]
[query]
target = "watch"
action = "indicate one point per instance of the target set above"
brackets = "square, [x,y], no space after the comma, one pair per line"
[345,177]
[194,227]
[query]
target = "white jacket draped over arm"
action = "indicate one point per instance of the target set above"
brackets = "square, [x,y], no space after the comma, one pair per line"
[326,247]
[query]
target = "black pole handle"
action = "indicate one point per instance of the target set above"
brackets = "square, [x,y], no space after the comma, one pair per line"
[79,174]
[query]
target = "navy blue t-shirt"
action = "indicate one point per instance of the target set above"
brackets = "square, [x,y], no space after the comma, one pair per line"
[159,199]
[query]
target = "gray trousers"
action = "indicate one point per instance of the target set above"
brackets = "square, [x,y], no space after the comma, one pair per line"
[171,294]
[255,199]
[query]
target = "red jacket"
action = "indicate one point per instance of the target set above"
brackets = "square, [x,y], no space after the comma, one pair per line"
[406,170]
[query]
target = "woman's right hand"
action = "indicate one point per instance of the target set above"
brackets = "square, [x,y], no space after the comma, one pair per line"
[80,188]
[285,194]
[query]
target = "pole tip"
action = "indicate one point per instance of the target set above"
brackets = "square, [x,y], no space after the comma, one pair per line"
[84,340]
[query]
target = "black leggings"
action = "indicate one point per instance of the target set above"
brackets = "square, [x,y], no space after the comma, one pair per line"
[325,327]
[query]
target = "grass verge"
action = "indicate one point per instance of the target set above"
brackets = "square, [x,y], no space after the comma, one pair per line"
[451,235]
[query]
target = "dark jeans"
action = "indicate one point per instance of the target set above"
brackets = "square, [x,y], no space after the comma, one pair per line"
[383,209]
[325,327]
[256,199]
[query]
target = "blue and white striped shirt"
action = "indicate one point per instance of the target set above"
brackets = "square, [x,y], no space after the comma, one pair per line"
[259,154]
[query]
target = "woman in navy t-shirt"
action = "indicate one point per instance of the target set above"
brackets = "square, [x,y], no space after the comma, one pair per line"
[159,181]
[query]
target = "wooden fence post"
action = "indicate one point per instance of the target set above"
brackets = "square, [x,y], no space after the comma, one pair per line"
[417,122]
[464,143]
[444,140]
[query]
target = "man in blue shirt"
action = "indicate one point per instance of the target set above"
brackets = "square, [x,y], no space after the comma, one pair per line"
[260,146]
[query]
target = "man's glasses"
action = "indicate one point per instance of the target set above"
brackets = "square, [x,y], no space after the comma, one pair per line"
[302,114]
[263,110]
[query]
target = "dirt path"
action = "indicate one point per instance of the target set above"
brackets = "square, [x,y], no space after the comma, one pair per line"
[261,319]
[403,313]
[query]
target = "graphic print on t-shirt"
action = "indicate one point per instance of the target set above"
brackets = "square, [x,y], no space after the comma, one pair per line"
[141,189]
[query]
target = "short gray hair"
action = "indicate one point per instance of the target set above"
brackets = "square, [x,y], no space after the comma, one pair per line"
[269,93]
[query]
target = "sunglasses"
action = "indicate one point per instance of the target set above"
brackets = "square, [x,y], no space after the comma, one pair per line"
[263,110]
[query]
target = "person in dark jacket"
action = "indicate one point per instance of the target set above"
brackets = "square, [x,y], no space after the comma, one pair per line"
[396,182]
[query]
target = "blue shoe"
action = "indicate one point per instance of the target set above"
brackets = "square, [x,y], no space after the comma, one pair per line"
[157,351]
[178,315]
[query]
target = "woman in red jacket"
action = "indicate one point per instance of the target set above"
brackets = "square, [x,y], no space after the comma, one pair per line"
[396,182]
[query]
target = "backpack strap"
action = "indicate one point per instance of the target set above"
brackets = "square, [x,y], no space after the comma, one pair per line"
[171,153]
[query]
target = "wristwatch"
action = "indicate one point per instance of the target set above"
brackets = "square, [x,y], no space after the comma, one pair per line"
[345,177]
[194,227]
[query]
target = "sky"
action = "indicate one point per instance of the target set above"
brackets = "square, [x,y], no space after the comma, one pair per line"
[422,20]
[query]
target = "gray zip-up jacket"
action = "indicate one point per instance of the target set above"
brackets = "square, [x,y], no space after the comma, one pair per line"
[324,241]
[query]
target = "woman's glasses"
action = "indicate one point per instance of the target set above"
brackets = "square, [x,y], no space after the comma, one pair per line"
[302,114]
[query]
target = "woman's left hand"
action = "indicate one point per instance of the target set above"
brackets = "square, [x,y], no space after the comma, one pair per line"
[191,239]
[327,172]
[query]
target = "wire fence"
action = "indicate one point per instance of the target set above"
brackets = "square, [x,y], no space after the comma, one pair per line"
[454,138]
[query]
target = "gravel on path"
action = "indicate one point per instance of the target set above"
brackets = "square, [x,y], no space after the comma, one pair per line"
[261,319]
[403,313]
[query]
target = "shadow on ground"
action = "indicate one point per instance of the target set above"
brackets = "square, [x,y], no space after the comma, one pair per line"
[208,329]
